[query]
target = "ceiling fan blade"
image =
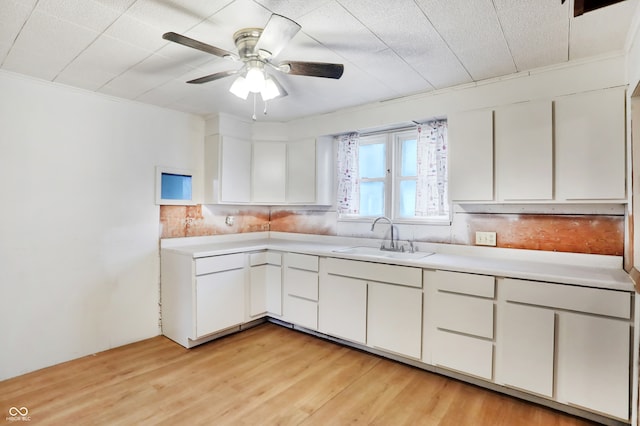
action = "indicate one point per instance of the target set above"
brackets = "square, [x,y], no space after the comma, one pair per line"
[312,69]
[275,36]
[215,76]
[195,44]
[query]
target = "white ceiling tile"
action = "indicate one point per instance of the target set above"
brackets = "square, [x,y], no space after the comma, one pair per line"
[85,13]
[292,9]
[412,37]
[338,30]
[46,45]
[596,33]
[537,33]
[91,71]
[133,31]
[14,15]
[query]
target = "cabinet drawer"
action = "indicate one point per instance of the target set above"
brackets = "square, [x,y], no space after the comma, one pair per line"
[227,262]
[264,258]
[302,283]
[380,272]
[302,261]
[302,312]
[581,299]
[464,314]
[457,282]
[463,353]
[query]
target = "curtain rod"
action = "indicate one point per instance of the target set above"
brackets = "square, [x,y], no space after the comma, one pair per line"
[389,130]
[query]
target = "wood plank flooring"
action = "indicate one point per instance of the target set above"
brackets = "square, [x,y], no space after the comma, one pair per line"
[268,375]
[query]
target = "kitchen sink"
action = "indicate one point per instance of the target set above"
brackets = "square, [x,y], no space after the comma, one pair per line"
[376,252]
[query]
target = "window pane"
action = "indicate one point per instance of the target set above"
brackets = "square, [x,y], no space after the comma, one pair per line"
[407,198]
[409,165]
[372,163]
[175,187]
[372,198]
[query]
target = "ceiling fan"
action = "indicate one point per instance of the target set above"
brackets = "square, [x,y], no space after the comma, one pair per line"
[257,47]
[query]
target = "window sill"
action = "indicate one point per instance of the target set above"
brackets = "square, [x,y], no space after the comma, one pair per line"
[399,221]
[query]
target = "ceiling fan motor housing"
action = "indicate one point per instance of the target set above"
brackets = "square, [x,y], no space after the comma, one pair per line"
[246,40]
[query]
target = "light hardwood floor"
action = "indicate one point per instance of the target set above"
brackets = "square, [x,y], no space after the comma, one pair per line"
[267,375]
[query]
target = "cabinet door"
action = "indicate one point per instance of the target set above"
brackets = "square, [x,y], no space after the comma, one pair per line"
[342,307]
[524,151]
[593,363]
[269,172]
[394,319]
[471,156]
[220,301]
[301,172]
[590,145]
[235,176]
[274,289]
[525,348]
[258,290]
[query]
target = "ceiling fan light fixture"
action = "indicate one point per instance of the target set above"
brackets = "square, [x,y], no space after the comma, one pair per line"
[270,90]
[240,88]
[255,80]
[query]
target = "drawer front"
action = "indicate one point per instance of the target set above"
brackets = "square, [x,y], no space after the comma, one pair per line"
[463,353]
[227,262]
[302,261]
[458,282]
[274,258]
[256,259]
[302,283]
[301,312]
[464,314]
[265,258]
[380,272]
[581,299]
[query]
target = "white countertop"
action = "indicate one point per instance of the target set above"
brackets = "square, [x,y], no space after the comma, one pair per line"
[549,267]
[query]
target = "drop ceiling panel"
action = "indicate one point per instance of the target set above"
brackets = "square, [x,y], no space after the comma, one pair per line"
[292,9]
[46,45]
[85,13]
[14,15]
[90,71]
[537,32]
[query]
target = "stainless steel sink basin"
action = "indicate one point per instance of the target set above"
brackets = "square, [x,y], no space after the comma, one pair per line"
[376,252]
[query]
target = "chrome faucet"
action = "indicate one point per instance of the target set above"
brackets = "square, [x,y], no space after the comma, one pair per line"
[392,245]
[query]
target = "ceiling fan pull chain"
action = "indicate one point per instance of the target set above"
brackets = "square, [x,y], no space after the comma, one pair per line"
[265,108]
[254,108]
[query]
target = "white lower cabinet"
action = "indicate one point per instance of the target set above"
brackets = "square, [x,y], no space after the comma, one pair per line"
[219,301]
[459,322]
[394,318]
[527,348]
[567,343]
[342,310]
[201,297]
[300,299]
[593,363]
[265,284]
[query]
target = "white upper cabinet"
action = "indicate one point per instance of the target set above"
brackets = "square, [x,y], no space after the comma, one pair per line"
[269,166]
[471,156]
[590,146]
[524,151]
[227,170]
[301,172]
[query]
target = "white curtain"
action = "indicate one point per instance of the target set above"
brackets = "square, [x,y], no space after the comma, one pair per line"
[431,190]
[348,189]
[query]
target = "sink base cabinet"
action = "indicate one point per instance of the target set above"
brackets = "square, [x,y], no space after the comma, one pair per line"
[342,310]
[394,319]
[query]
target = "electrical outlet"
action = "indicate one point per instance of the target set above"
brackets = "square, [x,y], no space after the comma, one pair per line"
[486,238]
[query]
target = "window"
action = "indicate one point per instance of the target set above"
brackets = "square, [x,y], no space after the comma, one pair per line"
[402,175]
